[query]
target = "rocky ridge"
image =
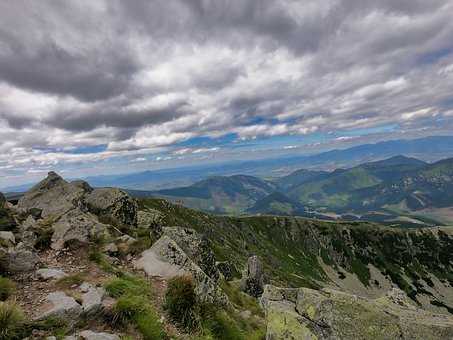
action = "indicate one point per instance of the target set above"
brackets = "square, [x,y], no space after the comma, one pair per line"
[65,241]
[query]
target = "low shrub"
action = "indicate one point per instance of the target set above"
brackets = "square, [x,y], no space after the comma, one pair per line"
[11,321]
[7,288]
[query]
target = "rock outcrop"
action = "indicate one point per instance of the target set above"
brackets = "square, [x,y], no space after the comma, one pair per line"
[18,259]
[197,248]
[61,306]
[78,226]
[253,279]
[114,205]
[327,314]
[166,258]
[53,196]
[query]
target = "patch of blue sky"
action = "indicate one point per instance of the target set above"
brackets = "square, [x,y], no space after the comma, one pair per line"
[88,149]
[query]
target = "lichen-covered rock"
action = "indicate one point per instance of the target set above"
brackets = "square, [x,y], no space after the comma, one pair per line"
[150,219]
[7,238]
[26,232]
[114,205]
[252,281]
[224,267]
[166,259]
[53,195]
[18,259]
[327,314]
[50,274]
[92,299]
[196,247]
[61,306]
[76,225]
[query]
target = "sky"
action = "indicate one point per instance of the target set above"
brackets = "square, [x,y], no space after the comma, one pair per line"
[110,86]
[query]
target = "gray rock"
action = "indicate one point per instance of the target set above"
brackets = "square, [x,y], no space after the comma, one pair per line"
[50,274]
[51,338]
[150,219]
[327,314]
[90,335]
[63,307]
[7,238]
[76,225]
[53,195]
[252,281]
[224,267]
[18,259]
[114,205]
[92,300]
[110,248]
[26,232]
[197,248]
[166,259]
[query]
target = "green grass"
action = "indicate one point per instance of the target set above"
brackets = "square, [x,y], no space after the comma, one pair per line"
[240,299]
[7,288]
[11,321]
[207,321]
[52,326]
[70,280]
[133,306]
[181,303]
[128,285]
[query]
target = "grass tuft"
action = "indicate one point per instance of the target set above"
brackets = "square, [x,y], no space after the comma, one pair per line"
[11,321]
[7,288]
[180,302]
[133,306]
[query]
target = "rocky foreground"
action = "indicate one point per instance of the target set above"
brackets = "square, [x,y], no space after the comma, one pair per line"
[77,255]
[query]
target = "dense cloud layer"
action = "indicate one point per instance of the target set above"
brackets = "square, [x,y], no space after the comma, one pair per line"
[141,75]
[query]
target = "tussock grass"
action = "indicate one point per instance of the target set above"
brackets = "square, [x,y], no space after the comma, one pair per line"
[134,306]
[11,321]
[7,288]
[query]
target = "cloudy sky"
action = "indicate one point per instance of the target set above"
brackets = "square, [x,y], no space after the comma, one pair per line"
[98,87]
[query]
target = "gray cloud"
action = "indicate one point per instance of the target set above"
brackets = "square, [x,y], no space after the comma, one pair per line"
[144,74]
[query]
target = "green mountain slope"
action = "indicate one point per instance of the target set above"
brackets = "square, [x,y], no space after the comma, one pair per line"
[430,186]
[296,252]
[299,177]
[277,204]
[233,194]
[338,189]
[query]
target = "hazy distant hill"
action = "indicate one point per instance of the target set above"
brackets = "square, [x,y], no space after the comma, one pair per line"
[428,149]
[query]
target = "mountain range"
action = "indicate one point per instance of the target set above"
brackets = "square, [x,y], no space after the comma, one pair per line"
[397,189]
[428,149]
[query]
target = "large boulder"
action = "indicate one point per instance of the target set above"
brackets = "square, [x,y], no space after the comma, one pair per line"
[327,314]
[76,226]
[167,259]
[7,239]
[61,306]
[196,247]
[253,279]
[53,196]
[18,259]
[113,205]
